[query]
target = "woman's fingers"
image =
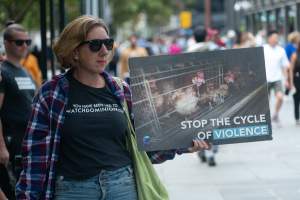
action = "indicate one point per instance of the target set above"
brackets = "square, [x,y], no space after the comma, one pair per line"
[199,145]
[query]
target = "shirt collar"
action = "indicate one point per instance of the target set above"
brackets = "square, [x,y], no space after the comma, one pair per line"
[113,86]
[109,80]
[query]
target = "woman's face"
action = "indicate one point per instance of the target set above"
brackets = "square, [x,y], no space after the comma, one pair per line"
[93,61]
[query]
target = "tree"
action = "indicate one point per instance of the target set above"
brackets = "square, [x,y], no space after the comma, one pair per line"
[27,12]
[157,11]
[15,10]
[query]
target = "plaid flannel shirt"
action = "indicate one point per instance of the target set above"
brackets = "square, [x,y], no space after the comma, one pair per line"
[40,149]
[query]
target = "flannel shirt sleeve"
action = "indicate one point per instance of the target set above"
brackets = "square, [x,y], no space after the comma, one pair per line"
[156,157]
[35,150]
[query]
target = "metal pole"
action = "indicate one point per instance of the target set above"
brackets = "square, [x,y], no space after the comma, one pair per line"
[254,23]
[52,36]
[82,7]
[43,27]
[277,18]
[286,22]
[61,15]
[268,13]
[230,14]
[88,7]
[61,19]
[248,22]
[297,27]
[207,7]
[95,8]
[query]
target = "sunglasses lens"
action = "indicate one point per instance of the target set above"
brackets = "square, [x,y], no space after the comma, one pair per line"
[28,42]
[21,42]
[95,45]
[109,44]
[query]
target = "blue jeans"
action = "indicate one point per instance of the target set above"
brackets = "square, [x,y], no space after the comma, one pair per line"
[107,185]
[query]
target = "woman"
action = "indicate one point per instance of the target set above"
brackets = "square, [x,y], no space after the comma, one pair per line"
[295,81]
[75,140]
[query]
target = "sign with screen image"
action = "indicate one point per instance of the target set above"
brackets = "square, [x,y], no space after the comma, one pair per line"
[220,96]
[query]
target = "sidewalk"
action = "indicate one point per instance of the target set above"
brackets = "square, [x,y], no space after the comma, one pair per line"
[268,170]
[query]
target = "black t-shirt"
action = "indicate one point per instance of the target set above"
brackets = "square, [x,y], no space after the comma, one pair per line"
[93,133]
[297,65]
[18,88]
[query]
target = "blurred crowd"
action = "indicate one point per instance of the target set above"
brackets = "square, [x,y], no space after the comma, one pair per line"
[281,61]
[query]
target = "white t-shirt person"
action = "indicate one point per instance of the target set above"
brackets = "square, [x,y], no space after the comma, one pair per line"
[276,61]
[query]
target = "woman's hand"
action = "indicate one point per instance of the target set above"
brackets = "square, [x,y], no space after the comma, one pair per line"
[4,156]
[199,145]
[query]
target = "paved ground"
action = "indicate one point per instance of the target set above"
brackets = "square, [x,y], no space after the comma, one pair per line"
[268,170]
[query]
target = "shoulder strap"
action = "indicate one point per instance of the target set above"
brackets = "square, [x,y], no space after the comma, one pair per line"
[124,104]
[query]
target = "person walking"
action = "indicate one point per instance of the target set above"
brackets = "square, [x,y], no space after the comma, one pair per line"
[292,45]
[132,51]
[16,93]
[277,66]
[290,49]
[75,144]
[295,82]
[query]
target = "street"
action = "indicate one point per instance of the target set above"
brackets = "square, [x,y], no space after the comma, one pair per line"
[268,170]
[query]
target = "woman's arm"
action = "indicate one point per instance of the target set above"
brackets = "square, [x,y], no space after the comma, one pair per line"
[158,157]
[35,150]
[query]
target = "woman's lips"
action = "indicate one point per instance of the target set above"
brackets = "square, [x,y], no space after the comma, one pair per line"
[101,61]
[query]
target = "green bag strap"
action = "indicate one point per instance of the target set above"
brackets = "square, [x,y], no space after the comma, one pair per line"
[131,131]
[149,186]
[124,105]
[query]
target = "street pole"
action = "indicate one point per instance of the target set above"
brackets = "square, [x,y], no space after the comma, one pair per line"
[92,7]
[207,10]
[61,15]
[51,36]
[43,26]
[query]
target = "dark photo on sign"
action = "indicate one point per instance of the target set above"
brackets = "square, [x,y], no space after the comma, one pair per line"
[220,96]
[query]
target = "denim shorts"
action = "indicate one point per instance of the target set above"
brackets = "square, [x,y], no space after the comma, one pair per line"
[118,184]
[277,86]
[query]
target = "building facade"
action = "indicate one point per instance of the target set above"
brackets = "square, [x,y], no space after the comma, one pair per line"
[280,15]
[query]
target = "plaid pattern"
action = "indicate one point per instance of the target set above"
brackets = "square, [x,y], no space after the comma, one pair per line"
[40,148]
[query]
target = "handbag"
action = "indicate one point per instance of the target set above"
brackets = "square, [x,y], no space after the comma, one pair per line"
[149,186]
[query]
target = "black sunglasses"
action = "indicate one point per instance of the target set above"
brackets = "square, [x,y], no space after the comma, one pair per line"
[21,42]
[95,45]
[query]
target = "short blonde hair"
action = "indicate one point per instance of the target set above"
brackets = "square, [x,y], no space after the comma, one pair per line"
[294,37]
[71,37]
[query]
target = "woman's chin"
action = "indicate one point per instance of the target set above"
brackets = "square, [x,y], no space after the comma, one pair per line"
[100,69]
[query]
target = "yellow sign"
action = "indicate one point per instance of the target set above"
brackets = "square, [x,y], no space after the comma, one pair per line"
[185,19]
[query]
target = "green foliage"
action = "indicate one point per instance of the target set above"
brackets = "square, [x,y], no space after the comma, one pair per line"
[123,11]
[17,11]
[72,9]
[27,12]
[32,18]
[157,11]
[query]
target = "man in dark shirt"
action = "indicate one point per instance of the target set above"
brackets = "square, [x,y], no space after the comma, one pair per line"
[16,92]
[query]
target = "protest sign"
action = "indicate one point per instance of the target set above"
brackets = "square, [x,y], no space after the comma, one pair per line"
[220,96]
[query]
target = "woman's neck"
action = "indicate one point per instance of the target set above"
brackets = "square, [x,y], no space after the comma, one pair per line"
[89,78]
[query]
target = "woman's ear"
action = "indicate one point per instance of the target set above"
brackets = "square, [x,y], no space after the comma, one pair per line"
[76,55]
